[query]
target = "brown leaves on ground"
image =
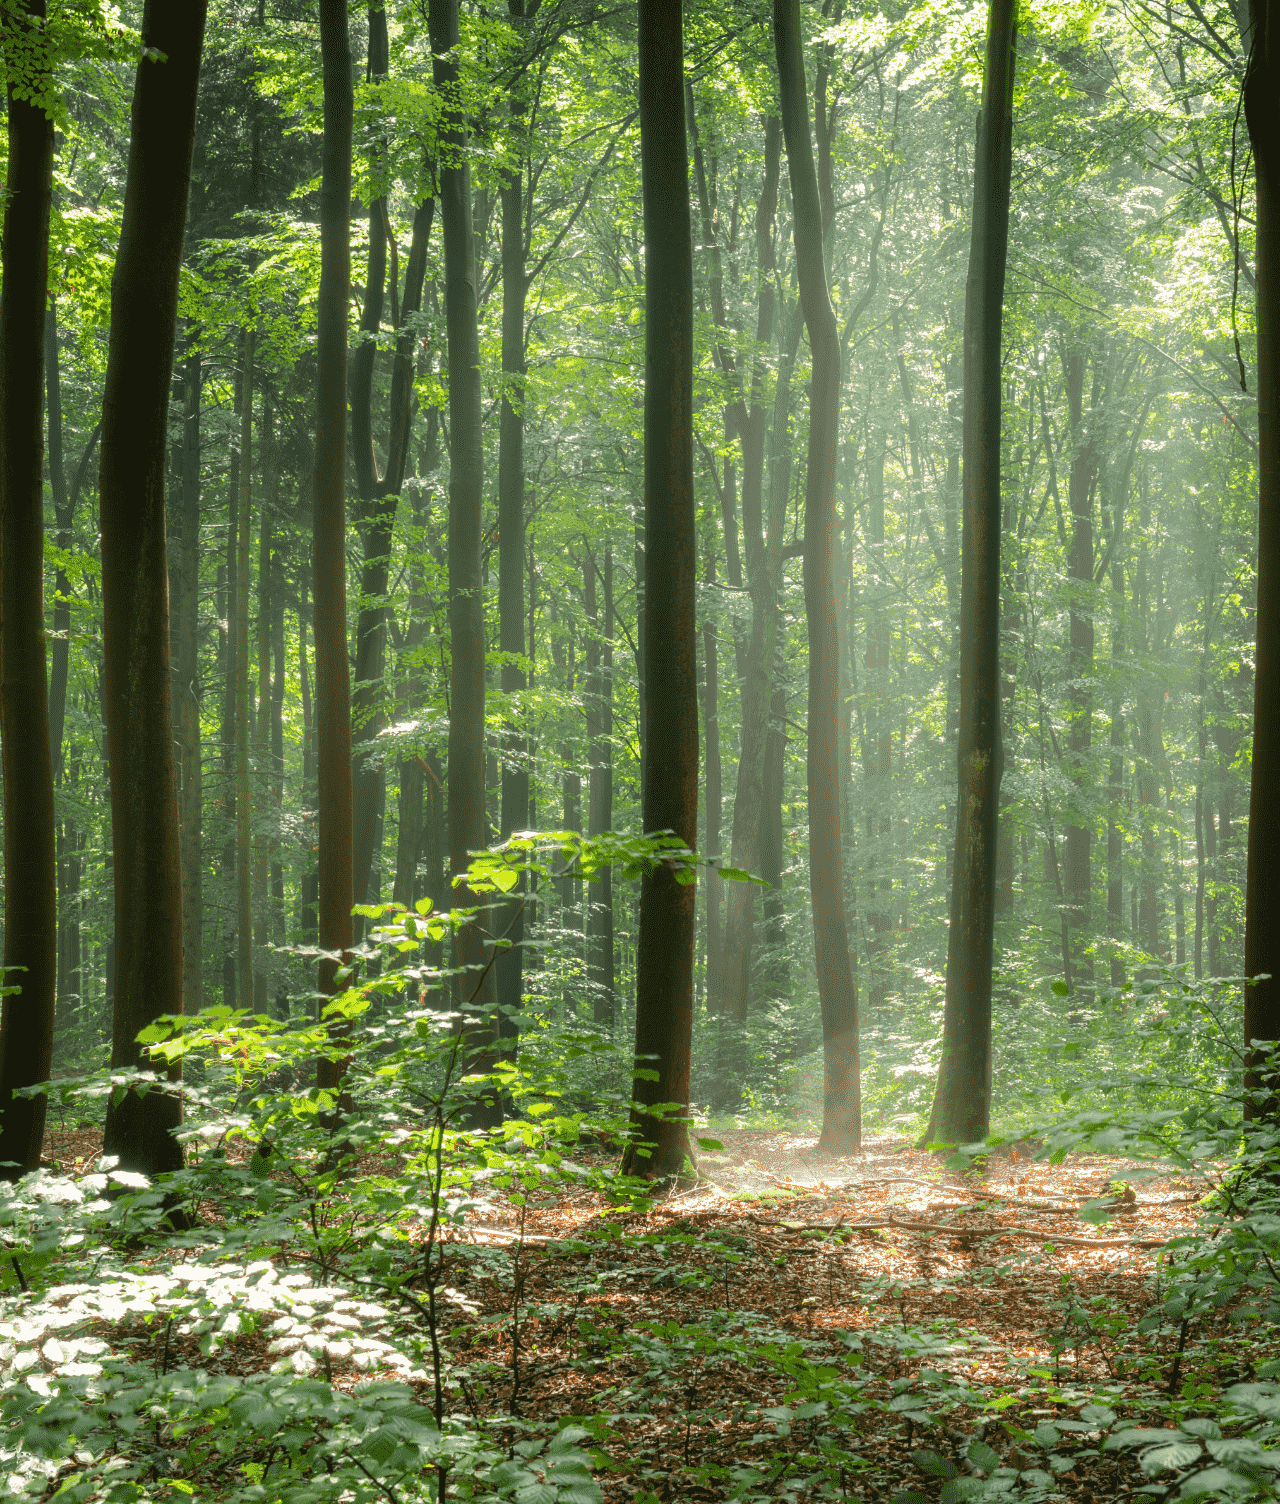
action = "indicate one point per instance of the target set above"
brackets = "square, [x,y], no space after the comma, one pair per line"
[875,1245]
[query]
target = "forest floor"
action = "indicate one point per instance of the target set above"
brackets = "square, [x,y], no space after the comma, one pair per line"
[920,1310]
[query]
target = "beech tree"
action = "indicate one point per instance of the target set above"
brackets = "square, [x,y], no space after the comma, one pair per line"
[837,991]
[30,902]
[664,948]
[962,1102]
[1262,886]
[329,588]
[147,865]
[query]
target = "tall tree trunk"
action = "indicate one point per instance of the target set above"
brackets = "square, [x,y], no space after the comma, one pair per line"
[187,709]
[877,751]
[600,977]
[1262,884]
[713,780]
[309,894]
[842,1091]
[143,770]
[379,494]
[329,524]
[962,1102]
[30,842]
[660,1146]
[262,725]
[1082,478]
[228,584]
[244,784]
[477,993]
[771,841]
[763,559]
[511,543]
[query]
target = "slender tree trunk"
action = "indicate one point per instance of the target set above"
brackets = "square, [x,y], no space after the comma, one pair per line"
[962,1103]
[143,770]
[1262,885]
[877,755]
[771,841]
[660,1146]
[842,1092]
[229,583]
[262,725]
[30,842]
[713,778]
[1080,489]
[244,785]
[511,544]
[763,559]
[309,896]
[477,994]
[187,709]
[600,977]
[329,527]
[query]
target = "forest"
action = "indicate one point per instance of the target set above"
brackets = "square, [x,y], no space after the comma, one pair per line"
[640,704]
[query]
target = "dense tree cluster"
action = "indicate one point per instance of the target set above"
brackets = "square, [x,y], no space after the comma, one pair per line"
[564,417]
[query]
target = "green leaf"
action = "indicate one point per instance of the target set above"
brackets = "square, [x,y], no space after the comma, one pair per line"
[1176,1455]
[983,1456]
[712,1144]
[934,1463]
[1060,988]
[964,1488]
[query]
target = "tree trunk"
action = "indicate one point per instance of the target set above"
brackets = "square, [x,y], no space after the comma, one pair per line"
[30,843]
[1262,885]
[187,709]
[477,993]
[660,1146]
[600,976]
[842,1091]
[143,770]
[244,785]
[262,725]
[1079,835]
[379,494]
[962,1102]
[713,777]
[763,560]
[511,544]
[877,755]
[329,526]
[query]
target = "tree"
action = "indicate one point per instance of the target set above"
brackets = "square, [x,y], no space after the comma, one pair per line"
[31,910]
[842,1091]
[467,826]
[962,1102]
[664,950]
[1262,883]
[328,538]
[135,594]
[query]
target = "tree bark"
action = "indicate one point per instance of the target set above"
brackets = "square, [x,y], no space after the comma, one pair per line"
[187,709]
[1079,834]
[477,994]
[1262,883]
[842,1089]
[763,560]
[143,771]
[962,1102]
[660,1146]
[329,527]
[511,546]
[244,784]
[30,843]
[600,977]
[713,779]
